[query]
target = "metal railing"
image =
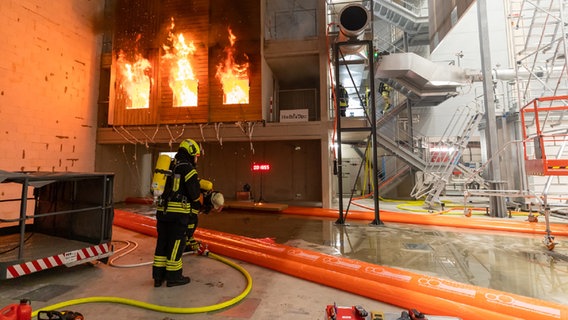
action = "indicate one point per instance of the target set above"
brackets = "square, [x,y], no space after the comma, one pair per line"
[443,156]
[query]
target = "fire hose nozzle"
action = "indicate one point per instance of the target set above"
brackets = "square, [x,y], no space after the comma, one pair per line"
[203,250]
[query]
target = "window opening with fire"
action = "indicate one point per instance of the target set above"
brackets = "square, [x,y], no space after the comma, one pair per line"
[233,74]
[135,80]
[178,56]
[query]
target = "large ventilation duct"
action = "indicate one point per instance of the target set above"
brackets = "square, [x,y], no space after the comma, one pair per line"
[353,20]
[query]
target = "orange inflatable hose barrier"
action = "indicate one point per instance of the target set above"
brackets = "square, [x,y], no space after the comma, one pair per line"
[495,224]
[430,295]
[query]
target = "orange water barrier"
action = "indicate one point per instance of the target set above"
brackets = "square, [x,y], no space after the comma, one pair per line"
[405,289]
[494,224]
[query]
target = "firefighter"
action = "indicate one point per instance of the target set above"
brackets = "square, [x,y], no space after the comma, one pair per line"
[177,207]
[343,100]
[385,90]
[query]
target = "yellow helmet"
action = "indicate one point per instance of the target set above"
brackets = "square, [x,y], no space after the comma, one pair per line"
[191,146]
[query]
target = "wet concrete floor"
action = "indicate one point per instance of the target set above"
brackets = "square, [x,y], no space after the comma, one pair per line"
[510,262]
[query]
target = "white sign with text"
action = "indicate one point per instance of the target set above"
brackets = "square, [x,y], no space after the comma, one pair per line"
[295,115]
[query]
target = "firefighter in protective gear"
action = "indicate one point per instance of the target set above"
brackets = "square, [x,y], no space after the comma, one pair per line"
[343,100]
[385,90]
[212,201]
[177,209]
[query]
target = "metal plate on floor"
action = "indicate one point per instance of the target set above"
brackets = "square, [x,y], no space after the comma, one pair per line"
[46,292]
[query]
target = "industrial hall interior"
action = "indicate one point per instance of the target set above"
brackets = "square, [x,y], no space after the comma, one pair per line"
[284,159]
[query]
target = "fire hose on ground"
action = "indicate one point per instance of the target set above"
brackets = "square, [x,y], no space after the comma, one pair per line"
[160,308]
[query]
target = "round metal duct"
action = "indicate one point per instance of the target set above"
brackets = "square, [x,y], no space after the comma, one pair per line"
[353,20]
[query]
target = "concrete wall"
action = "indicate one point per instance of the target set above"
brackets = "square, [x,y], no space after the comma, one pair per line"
[443,15]
[132,166]
[295,174]
[48,88]
[48,84]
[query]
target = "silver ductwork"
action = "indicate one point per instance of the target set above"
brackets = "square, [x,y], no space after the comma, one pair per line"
[353,19]
[510,74]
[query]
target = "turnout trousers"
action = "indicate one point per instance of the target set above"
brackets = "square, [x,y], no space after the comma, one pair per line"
[170,244]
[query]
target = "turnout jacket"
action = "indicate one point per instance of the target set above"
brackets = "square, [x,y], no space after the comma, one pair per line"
[181,192]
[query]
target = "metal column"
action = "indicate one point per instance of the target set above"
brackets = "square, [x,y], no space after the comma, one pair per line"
[498,208]
[365,58]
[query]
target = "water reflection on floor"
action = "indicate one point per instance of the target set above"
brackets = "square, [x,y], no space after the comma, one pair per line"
[506,262]
[510,262]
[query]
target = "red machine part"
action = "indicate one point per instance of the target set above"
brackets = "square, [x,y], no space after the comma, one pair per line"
[333,312]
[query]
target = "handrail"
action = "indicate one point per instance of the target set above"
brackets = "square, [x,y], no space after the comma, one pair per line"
[417,11]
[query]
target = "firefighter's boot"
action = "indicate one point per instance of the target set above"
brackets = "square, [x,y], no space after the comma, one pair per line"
[178,282]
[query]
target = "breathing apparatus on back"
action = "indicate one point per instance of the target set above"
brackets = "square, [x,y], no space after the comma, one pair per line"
[161,173]
[212,200]
[164,168]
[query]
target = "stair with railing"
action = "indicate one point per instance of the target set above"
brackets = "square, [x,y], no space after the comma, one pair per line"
[410,16]
[387,183]
[445,161]
[401,149]
[422,81]
[541,58]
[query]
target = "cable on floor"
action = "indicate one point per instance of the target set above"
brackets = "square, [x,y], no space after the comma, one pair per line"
[129,247]
[160,308]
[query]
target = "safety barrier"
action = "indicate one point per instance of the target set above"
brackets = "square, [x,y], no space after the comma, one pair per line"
[437,220]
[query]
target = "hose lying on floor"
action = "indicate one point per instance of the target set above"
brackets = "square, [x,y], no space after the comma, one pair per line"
[159,308]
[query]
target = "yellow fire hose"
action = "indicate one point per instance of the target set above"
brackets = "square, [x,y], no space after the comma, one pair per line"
[159,308]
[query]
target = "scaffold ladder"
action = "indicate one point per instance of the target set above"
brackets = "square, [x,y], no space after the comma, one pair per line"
[442,166]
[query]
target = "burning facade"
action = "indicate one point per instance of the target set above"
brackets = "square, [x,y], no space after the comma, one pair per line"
[233,75]
[179,61]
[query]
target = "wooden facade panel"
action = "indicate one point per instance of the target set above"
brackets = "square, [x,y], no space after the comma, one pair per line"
[136,29]
[123,115]
[190,18]
[145,24]
[243,18]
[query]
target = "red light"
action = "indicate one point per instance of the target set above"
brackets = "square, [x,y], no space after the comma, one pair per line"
[260,167]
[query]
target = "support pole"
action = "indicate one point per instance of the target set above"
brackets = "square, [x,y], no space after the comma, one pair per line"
[497,204]
[338,160]
[373,125]
[371,121]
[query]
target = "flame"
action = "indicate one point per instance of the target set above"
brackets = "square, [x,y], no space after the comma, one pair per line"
[233,76]
[135,80]
[182,79]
